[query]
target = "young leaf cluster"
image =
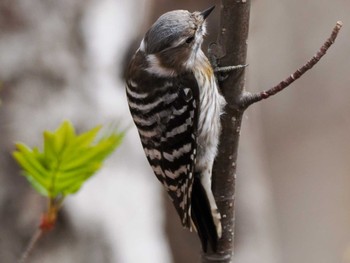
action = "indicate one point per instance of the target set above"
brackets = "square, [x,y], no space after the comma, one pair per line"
[67,159]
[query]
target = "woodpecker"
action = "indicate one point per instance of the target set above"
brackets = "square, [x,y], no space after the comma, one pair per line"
[175,103]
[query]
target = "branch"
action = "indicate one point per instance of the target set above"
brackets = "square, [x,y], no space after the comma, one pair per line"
[248,99]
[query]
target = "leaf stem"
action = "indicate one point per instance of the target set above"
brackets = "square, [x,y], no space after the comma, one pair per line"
[48,222]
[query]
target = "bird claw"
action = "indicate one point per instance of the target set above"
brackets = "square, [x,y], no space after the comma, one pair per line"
[229,68]
[222,73]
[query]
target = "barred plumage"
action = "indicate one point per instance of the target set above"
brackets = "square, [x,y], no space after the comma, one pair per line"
[175,103]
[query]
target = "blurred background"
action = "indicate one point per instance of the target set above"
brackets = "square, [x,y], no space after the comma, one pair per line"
[65,60]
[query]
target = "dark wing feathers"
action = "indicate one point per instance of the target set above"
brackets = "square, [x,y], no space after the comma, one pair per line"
[166,118]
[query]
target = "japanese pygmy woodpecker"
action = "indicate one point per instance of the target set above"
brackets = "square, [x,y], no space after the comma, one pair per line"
[176,105]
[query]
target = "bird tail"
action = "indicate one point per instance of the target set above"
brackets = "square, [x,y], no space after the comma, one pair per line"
[202,216]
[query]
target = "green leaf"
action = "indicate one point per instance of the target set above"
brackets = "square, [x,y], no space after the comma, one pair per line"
[87,138]
[40,188]
[67,159]
[30,162]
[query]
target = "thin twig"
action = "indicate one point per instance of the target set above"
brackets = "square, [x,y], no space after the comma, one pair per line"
[248,99]
[47,223]
[35,238]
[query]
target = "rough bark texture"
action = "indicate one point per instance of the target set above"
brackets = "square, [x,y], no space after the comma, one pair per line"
[231,49]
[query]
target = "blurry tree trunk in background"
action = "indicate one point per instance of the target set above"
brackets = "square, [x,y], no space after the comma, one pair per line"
[41,60]
[60,60]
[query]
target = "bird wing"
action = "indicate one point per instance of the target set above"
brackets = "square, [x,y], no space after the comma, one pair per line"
[166,118]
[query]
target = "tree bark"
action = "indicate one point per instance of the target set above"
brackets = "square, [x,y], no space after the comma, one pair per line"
[230,49]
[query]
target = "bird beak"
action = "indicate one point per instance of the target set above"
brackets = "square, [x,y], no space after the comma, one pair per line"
[207,12]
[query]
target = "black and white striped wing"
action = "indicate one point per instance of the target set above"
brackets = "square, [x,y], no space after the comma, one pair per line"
[166,119]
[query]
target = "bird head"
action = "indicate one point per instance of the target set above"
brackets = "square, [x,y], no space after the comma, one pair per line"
[176,37]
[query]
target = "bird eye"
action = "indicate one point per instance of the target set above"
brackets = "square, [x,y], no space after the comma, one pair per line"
[189,40]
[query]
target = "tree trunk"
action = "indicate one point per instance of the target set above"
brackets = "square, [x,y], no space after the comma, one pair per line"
[231,49]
